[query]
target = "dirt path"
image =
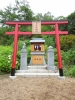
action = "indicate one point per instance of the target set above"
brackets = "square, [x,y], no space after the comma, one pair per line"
[49,88]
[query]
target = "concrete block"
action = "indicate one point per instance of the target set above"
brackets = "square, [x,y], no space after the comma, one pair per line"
[43,74]
[12,77]
[30,74]
[54,74]
[21,71]
[20,74]
[42,71]
[32,67]
[61,77]
[50,71]
[31,71]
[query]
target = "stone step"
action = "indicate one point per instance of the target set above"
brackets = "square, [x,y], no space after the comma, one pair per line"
[35,71]
[37,67]
[36,74]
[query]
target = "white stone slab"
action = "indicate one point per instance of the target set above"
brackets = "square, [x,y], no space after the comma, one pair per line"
[12,77]
[32,71]
[32,67]
[19,74]
[21,71]
[31,74]
[54,74]
[50,71]
[43,74]
[37,74]
[42,71]
[61,77]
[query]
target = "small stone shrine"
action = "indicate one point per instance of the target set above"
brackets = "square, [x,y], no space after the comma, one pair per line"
[38,66]
[37,51]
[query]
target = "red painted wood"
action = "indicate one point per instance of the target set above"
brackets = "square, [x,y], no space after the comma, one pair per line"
[15,47]
[53,23]
[30,23]
[17,22]
[53,32]
[58,47]
[19,33]
[30,33]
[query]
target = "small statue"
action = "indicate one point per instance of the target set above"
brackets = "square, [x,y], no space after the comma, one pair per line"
[24,46]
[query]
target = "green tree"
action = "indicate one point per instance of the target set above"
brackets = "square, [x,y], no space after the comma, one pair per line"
[39,17]
[48,16]
[63,27]
[71,24]
[19,12]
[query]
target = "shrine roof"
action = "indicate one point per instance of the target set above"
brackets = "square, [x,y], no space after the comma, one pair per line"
[37,40]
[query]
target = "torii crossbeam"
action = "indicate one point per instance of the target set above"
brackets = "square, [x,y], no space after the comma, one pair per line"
[57,32]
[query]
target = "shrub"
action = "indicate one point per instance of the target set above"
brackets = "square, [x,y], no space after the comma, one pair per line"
[67,42]
[6,59]
[72,71]
[69,70]
[49,40]
[68,57]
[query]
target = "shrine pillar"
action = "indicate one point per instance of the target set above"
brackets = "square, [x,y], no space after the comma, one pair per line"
[58,50]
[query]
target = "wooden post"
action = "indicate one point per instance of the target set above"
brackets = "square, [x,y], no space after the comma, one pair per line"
[58,50]
[14,51]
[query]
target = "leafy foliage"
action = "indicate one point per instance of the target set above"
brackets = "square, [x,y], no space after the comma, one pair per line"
[68,57]
[5,39]
[6,58]
[72,71]
[50,40]
[69,70]
[20,11]
[71,25]
[67,42]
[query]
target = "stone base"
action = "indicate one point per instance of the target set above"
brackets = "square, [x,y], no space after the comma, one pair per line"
[51,67]
[61,77]
[12,77]
[36,71]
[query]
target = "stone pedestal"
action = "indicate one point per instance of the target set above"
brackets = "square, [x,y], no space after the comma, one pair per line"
[38,58]
[50,56]
[23,60]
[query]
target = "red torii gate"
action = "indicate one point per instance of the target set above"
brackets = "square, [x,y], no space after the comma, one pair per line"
[57,32]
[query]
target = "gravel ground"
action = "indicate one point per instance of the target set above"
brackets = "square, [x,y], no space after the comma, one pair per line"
[41,88]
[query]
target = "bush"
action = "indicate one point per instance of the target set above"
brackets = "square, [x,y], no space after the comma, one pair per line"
[6,59]
[49,40]
[72,71]
[67,42]
[69,70]
[68,57]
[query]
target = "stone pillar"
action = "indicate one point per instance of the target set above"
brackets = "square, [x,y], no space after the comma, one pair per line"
[50,57]
[23,60]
